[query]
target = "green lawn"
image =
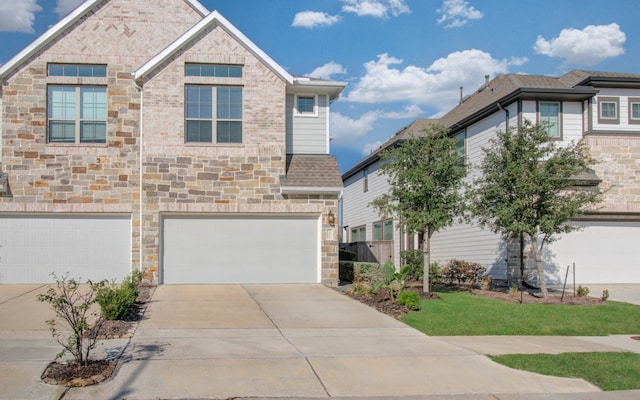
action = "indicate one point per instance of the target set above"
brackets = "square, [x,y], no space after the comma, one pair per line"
[608,371]
[463,314]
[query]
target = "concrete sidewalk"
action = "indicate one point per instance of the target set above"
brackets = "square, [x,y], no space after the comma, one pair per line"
[283,341]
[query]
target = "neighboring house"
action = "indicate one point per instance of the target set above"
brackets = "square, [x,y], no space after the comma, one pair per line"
[599,107]
[139,135]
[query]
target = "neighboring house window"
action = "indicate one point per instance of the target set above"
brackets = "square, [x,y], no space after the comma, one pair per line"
[383,230]
[213,114]
[306,106]
[77,114]
[358,234]
[634,110]
[608,110]
[365,180]
[77,70]
[213,70]
[460,145]
[549,116]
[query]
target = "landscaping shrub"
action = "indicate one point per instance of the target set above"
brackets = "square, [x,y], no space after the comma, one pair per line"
[366,272]
[414,259]
[71,304]
[393,281]
[409,299]
[582,291]
[460,271]
[435,273]
[116,300]
[345,271]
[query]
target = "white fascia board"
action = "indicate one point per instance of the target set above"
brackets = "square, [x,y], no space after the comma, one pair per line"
[310,190]
[306,85]
[47,37]
[213,17]
[196,5]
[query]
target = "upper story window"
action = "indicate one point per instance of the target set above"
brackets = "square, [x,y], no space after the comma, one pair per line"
[365,180]
[214,70]
[634,110]
[77,70]
[549,117]
[77,114]
[460,145]
[306,106]
[383,230]
[213,114]
[608,110]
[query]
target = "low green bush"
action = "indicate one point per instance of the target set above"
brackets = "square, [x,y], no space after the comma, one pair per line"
[345,271]
[460,271]
[414,259]
[116,300]
[366,272]
[409,299]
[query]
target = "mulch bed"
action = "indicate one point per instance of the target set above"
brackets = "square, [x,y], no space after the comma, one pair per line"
[383,303]
[70,374]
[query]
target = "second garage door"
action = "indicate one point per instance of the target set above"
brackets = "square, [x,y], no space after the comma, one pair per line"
[241,249]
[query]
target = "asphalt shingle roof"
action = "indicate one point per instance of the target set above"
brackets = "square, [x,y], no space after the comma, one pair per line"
[310,170]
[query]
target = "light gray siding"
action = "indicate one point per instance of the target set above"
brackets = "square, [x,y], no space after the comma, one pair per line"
[308,134]
[623,110]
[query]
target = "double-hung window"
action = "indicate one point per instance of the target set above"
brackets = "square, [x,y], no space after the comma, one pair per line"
[213,114]
[383,230]
[634,110]
[77,113]
[359,234]
[549,117]
[608,110]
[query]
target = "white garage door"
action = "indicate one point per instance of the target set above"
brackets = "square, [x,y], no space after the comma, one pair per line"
[604,252]
[88,247]
[241,249]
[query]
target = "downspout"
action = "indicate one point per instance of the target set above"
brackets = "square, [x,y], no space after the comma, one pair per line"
[140,185]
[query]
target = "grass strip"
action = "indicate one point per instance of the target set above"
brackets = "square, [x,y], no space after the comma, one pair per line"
[608,371]
[463,314]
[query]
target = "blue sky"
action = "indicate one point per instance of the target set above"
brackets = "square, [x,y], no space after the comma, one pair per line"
[402,59]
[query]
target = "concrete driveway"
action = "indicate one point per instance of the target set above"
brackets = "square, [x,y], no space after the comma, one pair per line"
[269,341]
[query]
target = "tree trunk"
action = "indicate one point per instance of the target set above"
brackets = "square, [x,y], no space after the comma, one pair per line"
[426,248]
[538,258]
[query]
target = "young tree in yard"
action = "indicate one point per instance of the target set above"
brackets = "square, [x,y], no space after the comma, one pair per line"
[526,188]
[425,175]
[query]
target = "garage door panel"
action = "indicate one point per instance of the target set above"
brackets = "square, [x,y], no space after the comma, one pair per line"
[240,249]
[34,247]
[603,252]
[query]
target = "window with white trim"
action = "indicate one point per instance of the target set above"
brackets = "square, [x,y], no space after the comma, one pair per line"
[213,114]
[306,106]
[549,117]
[634,110]
[76,114]
[608,110]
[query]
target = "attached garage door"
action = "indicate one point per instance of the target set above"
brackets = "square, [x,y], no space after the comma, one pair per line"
[87,247]
[240,249]
[604,252]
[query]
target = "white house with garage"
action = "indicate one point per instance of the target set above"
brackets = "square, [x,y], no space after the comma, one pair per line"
[601,108]
[168,143]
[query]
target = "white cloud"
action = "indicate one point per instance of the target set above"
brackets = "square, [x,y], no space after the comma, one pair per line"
[64,7]
[18,15]
[327,70]
[370,147]
[437,85]
[376,8]
[589,46]
[457,13]
[345,130]
[311,19]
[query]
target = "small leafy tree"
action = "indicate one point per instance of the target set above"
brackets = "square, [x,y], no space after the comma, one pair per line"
[425,176]
[526,188]
[72,303]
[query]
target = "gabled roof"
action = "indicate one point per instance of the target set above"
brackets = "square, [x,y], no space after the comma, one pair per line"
[59,28]
[503,90]
[215,18]
[312,173]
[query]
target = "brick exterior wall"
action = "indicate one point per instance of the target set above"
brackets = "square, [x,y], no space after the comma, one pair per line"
[145,168]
